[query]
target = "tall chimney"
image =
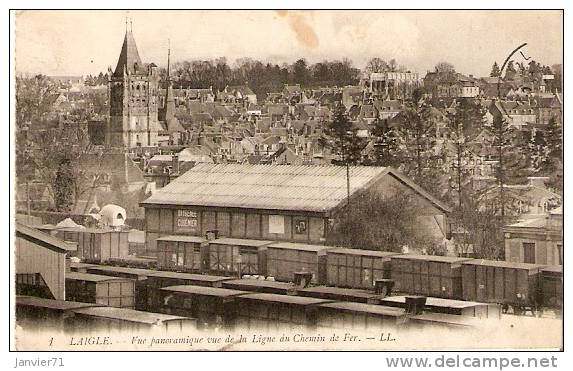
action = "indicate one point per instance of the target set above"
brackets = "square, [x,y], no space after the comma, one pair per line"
[175,164]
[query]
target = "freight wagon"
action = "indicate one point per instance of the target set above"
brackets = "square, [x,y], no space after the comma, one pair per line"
[100,245]
[449,306]
[442,321]
[356,268]
[552,287]
[138,275]
[106,290]
[286,258]
[350,315]
[235,257]
[276,312]
[94,245]
[38,314]
[513,285]
[213,307]
[183,253]
[428,275]
[109,320]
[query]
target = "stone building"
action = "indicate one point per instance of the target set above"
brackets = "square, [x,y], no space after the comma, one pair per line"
[133,96]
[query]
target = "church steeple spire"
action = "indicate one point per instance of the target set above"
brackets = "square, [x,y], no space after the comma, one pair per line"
[169,101]
[129,60]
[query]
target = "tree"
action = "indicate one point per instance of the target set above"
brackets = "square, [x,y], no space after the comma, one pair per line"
[554,138]
[35,97]
[341,137]
[511,167]
[445,68]
[300,72]
[376,65]
[495,71]
[359,224]
[385,140]
[417,145]
[63,186]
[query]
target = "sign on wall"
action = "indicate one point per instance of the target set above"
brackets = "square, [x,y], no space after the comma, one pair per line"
[276,224]
[187,220]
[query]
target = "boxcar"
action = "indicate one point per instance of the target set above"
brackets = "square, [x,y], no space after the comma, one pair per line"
[185,253]
[99,245]
[286,258]
[274,312]
[428,275]
[449,306]
[552,287]
[106,290]
[235,256]
[39,314]
[138,275]
[339,294]
[160,279]
[213,307]
[350,315]
[506,283]
[262,286]
[356,268]
[109,319]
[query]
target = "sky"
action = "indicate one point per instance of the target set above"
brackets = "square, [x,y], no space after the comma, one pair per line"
[87,42]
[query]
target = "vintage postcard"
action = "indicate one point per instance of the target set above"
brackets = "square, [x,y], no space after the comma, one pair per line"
[287,180]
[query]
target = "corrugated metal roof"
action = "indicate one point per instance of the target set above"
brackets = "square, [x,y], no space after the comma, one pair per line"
[201,290]
[35,234]
[366,308]
[274,187]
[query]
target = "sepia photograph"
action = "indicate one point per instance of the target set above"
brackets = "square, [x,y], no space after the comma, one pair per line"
[287,180]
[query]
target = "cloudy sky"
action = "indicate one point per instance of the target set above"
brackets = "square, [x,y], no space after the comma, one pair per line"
[83,42]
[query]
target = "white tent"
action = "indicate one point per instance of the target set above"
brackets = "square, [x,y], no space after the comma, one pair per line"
[68,223]
[112,216]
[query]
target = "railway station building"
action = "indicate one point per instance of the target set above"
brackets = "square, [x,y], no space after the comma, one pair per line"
[294,203]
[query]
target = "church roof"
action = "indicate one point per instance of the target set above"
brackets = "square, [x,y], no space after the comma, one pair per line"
[129,59]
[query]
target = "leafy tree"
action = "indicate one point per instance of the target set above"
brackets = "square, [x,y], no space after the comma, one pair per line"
[359,224]
[495,71]
[445,68]
[554,138]
[300,71]
[377,65]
